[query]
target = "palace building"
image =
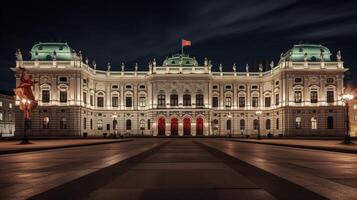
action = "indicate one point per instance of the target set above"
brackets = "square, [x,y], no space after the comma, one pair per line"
[300,95]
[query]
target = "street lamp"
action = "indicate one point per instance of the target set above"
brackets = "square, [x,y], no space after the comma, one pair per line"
[230,124]
[346,98]
[26,103]
[259,112]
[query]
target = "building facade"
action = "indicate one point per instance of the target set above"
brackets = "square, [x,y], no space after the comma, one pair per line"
[7,115]
[352,114]
[301,95]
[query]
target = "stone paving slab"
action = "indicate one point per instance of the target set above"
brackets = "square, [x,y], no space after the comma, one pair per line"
[328,145]
[7,147]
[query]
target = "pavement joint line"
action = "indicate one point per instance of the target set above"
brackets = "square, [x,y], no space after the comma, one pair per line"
[13,151]
[277,186]
[300,146]
[82,186]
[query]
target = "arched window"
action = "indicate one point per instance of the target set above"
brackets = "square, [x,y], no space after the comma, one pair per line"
[255,124]
[186,100]
[330,122]
[161,100]
[63,123]
[242,124]
[100,99]
[100,124]
[128,124]
[267,124]
[298,122]
[46,122]
[313,123]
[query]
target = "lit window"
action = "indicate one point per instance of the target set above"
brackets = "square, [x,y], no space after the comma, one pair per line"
[10,105]
[45,96]
[313,97]
[228,102]
[313,123]
[330,97]
[1,116]
[46,122]
[161,100]
[142,101]
[355,117]
[0,103]
[298,122]
[100,124]
[354,106]
[298,96]
[254,101]
[199,100]
[142,124]
[63,123]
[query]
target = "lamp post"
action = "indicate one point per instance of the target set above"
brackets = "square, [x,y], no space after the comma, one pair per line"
[230,124]
[259,112]
[346,98]
[26,103]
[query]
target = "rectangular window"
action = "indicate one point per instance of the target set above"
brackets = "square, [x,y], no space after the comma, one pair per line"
[84,123]
[214,102]
[0,103]
[10,105]
[91,100]
[173,100]
[254,101]
[45,96]
[108,127]
[354,117]
[84,97]
[128,102]
[186,100]
[161,100]
[313,96]
[91,124]
[354,106]
[63,96]
[228,102]
[199,100]
[100,101]
[298,96]
[142,101]
[267,101]
[330,97]
[1,116]
[149,125]
[277,124]
[115,101]
[241,101]
[277,99]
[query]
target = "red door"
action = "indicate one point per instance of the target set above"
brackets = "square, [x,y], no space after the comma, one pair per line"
[161,126]
[187,126]
[199,126]
[174,126]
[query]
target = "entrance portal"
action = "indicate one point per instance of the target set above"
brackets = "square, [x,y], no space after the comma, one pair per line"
[161,126]
[186,126]
[199,126]
[174,126]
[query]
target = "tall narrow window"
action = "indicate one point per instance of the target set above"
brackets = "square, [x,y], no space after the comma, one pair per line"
[149,125]
[84,123]
[267,101]
[128,124]
[45,96]
[298,122]
[330,122]
[214,102]
[242,124]
[241,102]
[276,99]
[128,102]
[298,96]
[255,124]
[63,96]
[161,100]
[100,102]
[228,102]
[142,101]
[174,100]
[100,124]
[199,100]
[313,123]
[313,96]
[229,124]
[91,124]
[267,124]
[46,122]
[186,100]
[330,97]
[277,123]
[91,100]
[254,101]
[63,123]
[84,97]
[115,100]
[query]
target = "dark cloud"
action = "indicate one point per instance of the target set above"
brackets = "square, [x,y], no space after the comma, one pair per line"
[231,31]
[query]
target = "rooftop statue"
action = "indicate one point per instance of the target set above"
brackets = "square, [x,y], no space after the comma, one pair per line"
[18,55]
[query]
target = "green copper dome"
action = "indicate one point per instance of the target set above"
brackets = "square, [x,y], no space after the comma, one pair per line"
[180,60]
[51,50]
[311,51]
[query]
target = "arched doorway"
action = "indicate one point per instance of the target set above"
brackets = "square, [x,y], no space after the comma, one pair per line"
[161,126]
[174,126]
[199,126]
[186,126]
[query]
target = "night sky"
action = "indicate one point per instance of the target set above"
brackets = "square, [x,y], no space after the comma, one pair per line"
[252,31]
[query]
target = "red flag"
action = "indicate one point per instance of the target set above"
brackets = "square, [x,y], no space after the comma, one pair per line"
[186,43]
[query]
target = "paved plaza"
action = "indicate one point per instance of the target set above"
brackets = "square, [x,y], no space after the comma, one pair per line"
[179,168]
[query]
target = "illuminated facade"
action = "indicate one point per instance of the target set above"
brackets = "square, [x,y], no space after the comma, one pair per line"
[7,115]
[298,96]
